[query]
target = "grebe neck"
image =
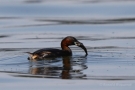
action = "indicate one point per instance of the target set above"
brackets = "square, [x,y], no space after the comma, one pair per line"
[66,49]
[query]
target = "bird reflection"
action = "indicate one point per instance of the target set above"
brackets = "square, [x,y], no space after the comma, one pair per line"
[66,68]
[66,71]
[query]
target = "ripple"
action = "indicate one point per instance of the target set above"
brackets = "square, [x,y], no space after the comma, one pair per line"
[4,36]
[74,1]
[38,22]
[89,21]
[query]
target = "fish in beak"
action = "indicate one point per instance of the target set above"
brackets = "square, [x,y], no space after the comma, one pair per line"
[79,44]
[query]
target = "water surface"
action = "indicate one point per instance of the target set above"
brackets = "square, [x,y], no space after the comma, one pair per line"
[105,27]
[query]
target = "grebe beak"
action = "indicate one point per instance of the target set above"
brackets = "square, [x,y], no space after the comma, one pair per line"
[79,44]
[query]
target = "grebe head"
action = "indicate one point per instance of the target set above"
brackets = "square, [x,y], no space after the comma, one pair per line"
[69,40]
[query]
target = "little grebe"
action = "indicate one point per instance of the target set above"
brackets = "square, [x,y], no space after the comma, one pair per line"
[51,52]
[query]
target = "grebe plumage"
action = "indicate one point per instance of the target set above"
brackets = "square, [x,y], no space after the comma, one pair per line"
[51,52]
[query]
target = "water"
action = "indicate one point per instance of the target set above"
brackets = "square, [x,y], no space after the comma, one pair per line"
[105,27]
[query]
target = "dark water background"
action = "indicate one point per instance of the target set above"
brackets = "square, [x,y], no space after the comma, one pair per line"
[105,27]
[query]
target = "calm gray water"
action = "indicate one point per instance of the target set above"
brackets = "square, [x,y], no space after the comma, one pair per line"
[105,27]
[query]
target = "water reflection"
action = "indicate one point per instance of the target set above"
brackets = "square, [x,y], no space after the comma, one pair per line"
[66,68]
[71,68]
